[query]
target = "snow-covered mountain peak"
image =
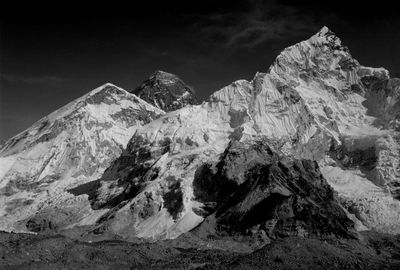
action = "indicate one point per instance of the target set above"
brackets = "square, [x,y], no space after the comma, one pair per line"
[166,91]
[70,146]
[325,36]
[102,104]
[323,51]
[106,88]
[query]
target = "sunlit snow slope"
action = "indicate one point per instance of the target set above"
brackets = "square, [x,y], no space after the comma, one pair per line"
[69,147]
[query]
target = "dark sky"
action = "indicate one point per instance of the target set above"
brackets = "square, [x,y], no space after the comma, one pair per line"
[51,54]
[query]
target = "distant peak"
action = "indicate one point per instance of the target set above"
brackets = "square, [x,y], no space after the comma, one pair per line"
[165,91]
[159,74]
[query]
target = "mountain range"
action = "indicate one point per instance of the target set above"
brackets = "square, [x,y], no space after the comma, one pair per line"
[309,147]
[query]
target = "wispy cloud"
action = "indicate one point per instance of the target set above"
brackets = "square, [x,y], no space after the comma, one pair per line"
[260,22]
[30,79]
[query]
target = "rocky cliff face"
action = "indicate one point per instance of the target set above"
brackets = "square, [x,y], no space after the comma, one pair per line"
[253,190]
[166,91]
[69,147]
[330,119]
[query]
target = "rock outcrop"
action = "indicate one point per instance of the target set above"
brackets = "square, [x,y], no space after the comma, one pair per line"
[253,190]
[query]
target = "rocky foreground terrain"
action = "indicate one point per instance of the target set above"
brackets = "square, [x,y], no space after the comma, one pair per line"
[27,251]
[297,168]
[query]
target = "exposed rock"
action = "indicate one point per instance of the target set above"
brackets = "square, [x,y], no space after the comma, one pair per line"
[259,190]
[166,92]
[128,175]
[173,199]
